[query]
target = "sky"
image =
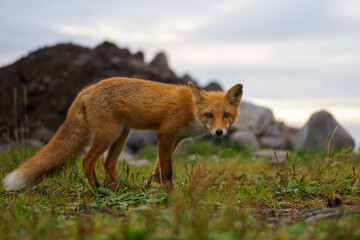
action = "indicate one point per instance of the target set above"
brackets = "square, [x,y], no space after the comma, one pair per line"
[294,56]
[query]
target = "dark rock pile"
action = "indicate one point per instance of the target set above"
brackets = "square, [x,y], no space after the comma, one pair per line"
[37,90]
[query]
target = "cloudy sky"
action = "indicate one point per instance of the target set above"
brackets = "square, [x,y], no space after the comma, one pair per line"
[298,54]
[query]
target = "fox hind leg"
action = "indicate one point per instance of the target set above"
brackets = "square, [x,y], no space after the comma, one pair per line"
[113,155]
[102,140]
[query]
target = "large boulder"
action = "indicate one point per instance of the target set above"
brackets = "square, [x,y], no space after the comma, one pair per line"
[245,139]
[317,132]
[254,118]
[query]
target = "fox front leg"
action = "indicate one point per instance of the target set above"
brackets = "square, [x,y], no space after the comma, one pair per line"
[166,145]
[155,176]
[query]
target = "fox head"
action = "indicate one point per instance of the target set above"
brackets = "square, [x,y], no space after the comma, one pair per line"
[217,110]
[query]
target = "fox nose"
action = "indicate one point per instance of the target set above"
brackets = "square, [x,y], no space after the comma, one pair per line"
[218,132]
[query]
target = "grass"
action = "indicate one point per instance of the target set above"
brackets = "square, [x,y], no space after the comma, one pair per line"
[219,193]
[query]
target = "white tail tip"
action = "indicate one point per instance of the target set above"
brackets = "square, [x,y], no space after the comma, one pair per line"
[15,181]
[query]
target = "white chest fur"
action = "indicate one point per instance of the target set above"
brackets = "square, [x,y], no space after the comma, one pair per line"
[193,129]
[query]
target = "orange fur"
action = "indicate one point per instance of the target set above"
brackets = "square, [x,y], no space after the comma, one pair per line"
[110,108]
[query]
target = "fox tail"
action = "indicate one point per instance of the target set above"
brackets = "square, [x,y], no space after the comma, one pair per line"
[68,141]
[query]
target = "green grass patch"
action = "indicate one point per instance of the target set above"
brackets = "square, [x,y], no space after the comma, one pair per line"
[219,193]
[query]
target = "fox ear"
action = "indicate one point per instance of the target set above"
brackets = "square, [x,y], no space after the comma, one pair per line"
[196,92]
[234,94]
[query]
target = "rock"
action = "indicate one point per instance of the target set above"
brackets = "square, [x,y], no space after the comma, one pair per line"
[125,154]
[110,49]
[187,78]
[273,129]
[254,118]
[213,86]
[26,142]
[160,67]
[317,132]
[273,142]
[278,160]
[160,62]
[139,162]
[139,56]
[140,138]
[278,157]
[245,139]
[261,122]
[317,215]
[279,136]
[3,146]
[43,134]
[34,143]
[195,157]
[183,146]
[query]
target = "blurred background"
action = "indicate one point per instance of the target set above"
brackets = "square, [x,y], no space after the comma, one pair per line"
[295,57]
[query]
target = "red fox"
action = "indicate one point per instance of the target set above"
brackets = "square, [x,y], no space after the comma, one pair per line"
[109,109]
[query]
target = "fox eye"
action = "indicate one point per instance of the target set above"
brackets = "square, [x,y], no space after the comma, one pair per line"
[226,115]
[208,115]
